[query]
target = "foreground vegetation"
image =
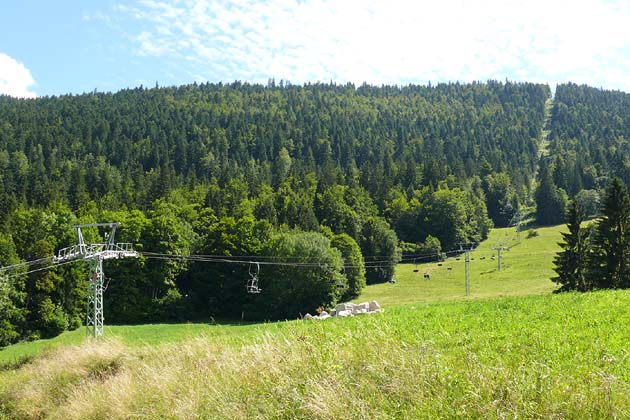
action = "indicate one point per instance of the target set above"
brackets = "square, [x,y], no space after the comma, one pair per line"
[551,356]
[525,269]
[493,355]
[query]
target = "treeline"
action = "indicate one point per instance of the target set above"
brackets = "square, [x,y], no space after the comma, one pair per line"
[590,137]
[597,255]
[132,147]
[589,133]
[350,177]
[297,271]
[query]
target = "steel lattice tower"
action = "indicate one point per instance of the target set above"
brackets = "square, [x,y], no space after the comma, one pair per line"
[95,254]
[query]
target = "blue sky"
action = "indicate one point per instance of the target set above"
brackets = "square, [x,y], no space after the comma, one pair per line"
[72,46]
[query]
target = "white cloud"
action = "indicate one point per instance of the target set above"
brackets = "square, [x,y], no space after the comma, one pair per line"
[392,41]
[15,79]
[96,17]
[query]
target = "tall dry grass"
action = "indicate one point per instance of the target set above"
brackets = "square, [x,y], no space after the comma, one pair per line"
[519,358]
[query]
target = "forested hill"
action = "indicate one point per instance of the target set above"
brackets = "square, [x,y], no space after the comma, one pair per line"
[336,178]
[133,146]
[590,137]
[335,182]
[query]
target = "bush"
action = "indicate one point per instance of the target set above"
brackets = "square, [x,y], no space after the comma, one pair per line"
[53,319]
[8,333]
[307,281]
[354,265]
[379,245]
[431,245]
[531,233]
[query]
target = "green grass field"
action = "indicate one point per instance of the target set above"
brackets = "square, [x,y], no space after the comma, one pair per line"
[549,356]
[433,353]
[525,269]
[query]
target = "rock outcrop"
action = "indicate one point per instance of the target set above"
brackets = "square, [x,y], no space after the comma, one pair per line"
[348,309]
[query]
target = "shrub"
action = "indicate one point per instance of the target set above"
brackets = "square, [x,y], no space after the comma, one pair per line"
[532,233]
[354,265]
[307,281]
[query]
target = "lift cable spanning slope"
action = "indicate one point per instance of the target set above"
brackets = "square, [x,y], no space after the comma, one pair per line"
[97,252]
[373,261]
[267,260]
[24,273]
[255,260]
[26,264]
[9,271]
[370,261]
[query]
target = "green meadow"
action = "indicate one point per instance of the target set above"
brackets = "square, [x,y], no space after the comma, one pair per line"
[526,267]
[511,349]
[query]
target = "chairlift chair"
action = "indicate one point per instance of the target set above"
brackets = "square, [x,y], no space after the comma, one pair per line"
[252,282]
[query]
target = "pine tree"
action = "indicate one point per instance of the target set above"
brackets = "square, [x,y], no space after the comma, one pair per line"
[609,260]
[550,200]
[571,262]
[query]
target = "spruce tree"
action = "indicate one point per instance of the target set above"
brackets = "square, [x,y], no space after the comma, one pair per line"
[550,200]
[571,262]
[609,260]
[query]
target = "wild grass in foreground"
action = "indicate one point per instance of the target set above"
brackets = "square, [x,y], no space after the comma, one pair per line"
[132,335]
[553,356]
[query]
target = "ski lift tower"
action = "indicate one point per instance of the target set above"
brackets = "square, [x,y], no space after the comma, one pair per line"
[516,221]
[95,254]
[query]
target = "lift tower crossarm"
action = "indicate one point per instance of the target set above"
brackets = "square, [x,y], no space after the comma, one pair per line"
[105,250]
[95,254]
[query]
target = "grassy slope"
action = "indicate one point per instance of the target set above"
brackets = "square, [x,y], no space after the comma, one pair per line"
[561,356]
[551,356]
[525,269]
[136,335]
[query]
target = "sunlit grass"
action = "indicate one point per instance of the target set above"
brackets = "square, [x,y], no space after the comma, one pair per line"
[433,353]
[134,336]
[551,356]
[525,269]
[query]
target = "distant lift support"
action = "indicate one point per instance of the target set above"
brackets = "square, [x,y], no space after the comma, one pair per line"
[95,254]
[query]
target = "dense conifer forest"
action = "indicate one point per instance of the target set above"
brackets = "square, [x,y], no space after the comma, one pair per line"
[336,181]
[590,137]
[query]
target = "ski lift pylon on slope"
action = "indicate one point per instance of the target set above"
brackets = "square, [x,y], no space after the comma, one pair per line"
[252,282]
